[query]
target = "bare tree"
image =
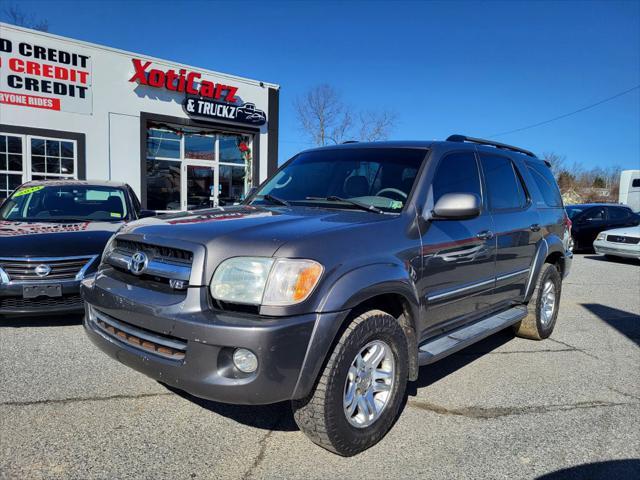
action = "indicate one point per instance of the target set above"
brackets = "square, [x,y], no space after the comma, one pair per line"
[376,125]
[326,119]
[15,15]
[556,161]
[323,116]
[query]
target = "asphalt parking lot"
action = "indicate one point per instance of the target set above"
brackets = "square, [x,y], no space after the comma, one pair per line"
[568,407]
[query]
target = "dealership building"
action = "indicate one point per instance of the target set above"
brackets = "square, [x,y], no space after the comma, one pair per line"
[183,137]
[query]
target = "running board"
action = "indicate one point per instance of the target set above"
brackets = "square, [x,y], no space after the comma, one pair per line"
[439,347]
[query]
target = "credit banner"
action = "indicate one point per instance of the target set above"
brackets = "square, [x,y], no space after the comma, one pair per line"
[44,76]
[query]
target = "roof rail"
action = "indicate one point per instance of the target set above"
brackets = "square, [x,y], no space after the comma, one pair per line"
[349,141]
[482,141]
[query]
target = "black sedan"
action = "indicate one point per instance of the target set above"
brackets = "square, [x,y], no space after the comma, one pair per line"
[589,219]
[52,234]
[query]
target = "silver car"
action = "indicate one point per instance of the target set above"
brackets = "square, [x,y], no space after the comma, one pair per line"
[619,242]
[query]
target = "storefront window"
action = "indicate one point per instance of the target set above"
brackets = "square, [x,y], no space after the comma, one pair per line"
[27,157]
[191,169]
[163,185]
[201,147]
[232,185]
[52,157]
[10,164]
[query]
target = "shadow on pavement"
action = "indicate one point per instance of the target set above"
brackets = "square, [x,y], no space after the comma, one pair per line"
[432,373]
[267,417]
[612,469]
[602,258]
[51,320]
[627,323]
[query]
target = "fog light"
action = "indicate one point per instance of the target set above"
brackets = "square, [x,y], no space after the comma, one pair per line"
[245,360]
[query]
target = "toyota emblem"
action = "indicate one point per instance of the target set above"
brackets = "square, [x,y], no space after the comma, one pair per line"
[42,270]
[138,263]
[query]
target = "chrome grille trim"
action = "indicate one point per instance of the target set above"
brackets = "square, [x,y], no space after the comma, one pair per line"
[157,252]
[155,267]
[19,270]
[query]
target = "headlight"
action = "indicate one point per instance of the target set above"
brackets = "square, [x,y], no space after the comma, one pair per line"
[266,281]
[601,236]
[109,247]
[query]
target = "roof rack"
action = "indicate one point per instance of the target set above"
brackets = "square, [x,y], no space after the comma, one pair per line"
[482,141]
[349,141]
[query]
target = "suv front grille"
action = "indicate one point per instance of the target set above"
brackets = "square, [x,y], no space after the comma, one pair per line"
[622,239]
[157,252]
[166,346]
[30,269]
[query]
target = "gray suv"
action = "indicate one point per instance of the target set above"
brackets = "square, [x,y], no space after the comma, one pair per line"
[347,270]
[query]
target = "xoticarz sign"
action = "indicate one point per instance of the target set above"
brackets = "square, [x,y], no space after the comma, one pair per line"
[205,99]
[208,109]
[44,76]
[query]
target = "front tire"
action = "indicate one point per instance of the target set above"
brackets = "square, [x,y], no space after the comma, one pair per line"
[360,391]
[542,309]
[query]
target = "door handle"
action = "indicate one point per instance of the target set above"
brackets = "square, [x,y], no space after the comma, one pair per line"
[535,227]
[485,235]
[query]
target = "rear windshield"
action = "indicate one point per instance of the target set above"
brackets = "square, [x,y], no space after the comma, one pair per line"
[378,177]
[52,203]
[546,183]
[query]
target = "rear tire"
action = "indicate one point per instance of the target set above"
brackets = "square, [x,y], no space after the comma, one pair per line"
[542,309]
[325,417]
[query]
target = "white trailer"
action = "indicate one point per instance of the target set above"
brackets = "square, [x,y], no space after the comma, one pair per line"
[630,189]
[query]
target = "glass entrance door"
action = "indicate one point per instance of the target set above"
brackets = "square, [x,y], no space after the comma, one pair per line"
[198,185]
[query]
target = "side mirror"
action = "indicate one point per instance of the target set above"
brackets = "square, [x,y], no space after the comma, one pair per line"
[453,206]
[147,213]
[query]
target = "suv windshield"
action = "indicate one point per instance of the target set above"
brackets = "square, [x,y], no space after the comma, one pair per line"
[54,203]
[346,178]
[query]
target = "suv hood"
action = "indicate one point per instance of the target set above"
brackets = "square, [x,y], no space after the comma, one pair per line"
[247,228]
[54,239]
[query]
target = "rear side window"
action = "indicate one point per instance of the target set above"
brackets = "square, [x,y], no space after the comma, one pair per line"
[635,183]
[618,213]
[504,187]
[456,173]
[546,183]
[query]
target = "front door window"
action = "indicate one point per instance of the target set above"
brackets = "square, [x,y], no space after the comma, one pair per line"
[199,186]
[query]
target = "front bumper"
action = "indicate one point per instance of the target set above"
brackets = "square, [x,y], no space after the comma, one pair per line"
[12,301]
[603,247]
[203,365]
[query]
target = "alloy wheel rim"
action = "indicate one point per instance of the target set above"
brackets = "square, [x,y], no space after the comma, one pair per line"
[369,384]
[548,302]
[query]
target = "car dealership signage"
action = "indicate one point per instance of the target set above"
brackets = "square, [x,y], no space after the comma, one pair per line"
[204,99]
[43,76]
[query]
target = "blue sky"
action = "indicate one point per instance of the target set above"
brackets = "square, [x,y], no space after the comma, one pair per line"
[476,68]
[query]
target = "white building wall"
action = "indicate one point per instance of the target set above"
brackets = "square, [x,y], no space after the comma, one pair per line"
[112,128]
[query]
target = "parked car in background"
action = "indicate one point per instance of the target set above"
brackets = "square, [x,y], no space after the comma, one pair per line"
[619,242]
[348,269]
[629,193]
[52,234]
[589,219]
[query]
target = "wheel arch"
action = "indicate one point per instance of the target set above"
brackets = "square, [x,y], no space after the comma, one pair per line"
[375,287]
[549,250]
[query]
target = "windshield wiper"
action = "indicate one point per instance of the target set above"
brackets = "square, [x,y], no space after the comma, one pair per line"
[362,206]
[274,199]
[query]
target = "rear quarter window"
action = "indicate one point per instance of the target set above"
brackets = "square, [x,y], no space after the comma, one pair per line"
[546,183]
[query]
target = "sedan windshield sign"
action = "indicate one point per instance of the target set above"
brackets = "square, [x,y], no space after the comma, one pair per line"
[203,108]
